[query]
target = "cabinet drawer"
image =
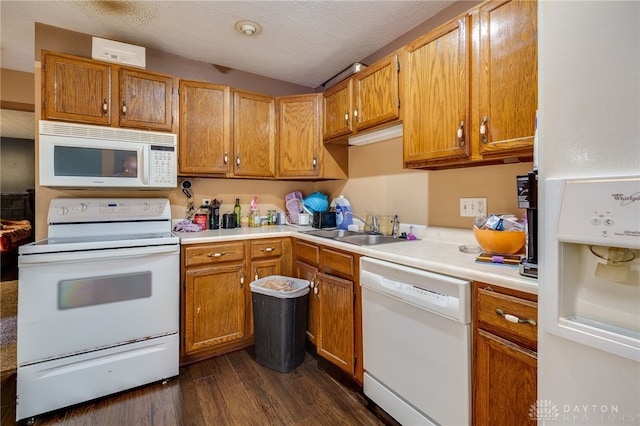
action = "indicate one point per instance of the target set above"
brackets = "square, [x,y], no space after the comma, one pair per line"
[338,263]
[262,249]
[497,312]
[307,252]
[214,253]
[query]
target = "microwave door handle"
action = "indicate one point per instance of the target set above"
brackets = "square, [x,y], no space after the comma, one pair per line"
[146,163]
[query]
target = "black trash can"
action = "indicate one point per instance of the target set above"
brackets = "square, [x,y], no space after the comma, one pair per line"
[280,321]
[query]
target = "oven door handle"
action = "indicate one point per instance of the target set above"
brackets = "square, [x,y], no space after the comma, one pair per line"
[93,255]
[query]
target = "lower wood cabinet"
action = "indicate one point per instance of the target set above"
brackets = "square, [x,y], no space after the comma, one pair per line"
[334,322]
[504,356]
[216,314]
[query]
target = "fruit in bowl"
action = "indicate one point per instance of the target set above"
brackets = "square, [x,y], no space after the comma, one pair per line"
[501,242]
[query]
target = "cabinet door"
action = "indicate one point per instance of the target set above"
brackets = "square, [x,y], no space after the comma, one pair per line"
[300,136]
[377,99]
[75,89]
[336,336]
[507,74]
[308,272]
[145,100]
[338,101]
[504,389]
[265,267]
[214,308]
[254,135]
[205,128]
[437,95]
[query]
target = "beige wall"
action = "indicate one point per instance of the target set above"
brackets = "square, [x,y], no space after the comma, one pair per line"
[16,87]
[378,184]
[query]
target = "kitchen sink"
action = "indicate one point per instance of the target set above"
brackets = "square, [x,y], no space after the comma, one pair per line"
[368,239]
[331,233]
[354,237]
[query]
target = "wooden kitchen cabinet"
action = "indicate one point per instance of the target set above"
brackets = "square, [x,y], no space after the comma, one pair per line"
[300,136]
[368,99]
[505,356]
[214,298]
[75,89]
[486,62]
[145,100]
[205,129]
[506,72]
[436,116]
[87,91]
[254,135]
[377,93]
[334,322]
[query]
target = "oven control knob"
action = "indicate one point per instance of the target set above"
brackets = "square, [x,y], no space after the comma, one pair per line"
[82,207]
[145,206]
[62,211]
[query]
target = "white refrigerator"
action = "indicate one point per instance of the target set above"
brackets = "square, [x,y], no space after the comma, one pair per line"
[588,126]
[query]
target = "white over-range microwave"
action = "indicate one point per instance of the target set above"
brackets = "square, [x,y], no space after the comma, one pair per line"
[86,156]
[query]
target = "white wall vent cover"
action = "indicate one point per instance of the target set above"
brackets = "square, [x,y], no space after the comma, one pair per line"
[119,53]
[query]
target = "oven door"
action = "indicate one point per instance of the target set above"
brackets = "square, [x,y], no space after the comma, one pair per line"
[70,303]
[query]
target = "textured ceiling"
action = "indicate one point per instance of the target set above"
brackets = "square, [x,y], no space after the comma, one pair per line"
[303,42]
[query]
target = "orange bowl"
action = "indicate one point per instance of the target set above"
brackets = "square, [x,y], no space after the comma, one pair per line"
[503,242]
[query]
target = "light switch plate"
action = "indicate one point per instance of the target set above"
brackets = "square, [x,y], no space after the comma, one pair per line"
[473,207]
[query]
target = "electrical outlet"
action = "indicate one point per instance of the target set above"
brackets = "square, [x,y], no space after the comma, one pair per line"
[206,201]
[472,207]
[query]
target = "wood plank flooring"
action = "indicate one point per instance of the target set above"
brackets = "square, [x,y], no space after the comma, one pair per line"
[227,390]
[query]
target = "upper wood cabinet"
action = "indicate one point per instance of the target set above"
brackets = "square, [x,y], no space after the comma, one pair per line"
[88,91]
[205,129]
[505,53]
[75,89]
[436,116]
[377,93]
[299,136]
[145,100]
[368,99]
[254,135]
[471,88]
[338,101]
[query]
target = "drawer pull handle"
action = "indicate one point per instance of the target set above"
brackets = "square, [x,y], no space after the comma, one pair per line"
[217,254]
[515,319]
[267,249]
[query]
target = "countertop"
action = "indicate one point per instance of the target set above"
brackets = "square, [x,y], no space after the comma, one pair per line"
[436,250]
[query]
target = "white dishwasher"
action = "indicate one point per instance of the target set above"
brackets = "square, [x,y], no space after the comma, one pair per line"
[416,343]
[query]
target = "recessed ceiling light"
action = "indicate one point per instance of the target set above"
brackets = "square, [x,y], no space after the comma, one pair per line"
[248,28]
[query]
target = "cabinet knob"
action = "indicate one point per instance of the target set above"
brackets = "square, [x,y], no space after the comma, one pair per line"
[241,279]
[124,108]
[483,130]
[315,161]
[460,134]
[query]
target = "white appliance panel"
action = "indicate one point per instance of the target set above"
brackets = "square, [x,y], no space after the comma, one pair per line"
[79,301]
[63,382]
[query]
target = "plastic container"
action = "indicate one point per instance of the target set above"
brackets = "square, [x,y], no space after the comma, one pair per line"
[343,213]
[280,323]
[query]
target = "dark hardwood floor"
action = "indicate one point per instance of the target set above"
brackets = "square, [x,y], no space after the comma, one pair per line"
[230,389]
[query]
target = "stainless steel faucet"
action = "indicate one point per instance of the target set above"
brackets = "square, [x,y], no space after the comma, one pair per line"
[373,225]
